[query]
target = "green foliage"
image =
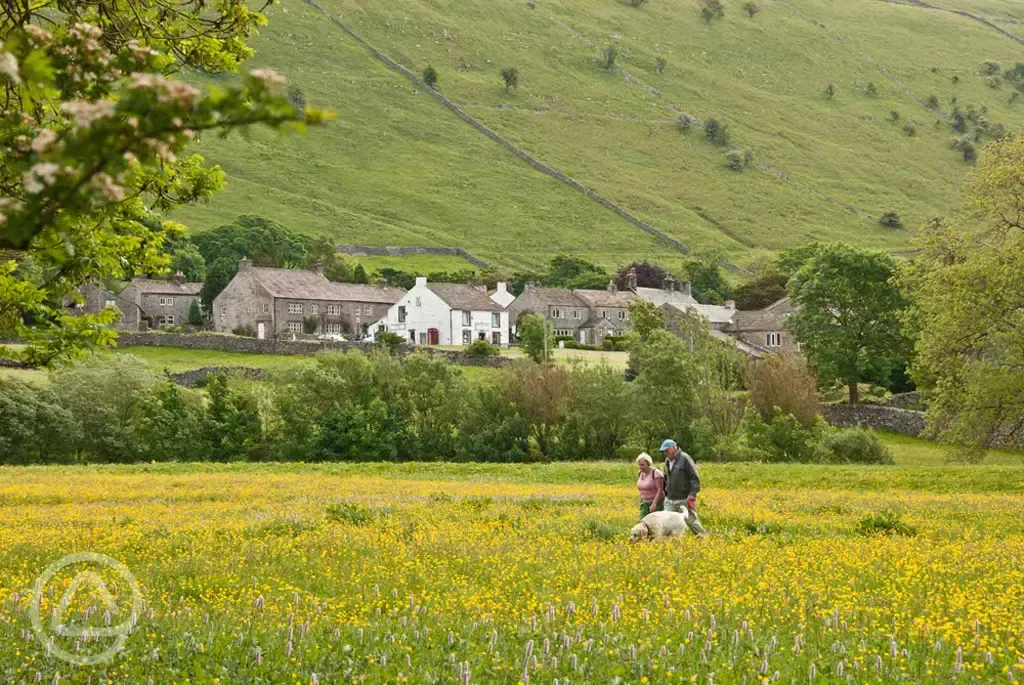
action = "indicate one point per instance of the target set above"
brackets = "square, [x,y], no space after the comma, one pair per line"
[187,259]
[871,90]
[853,446]
[430,76]
[761,292]
[751,8]
[535,335]
[539,393]
[575,272]
[894,116]
[599,530]
[491,429]
[359,275]
[167,423]
[195,315]
[991,67]
[686,122]
[890,219]
[932,101]
[780,384]
[909,130]
[511,78]
[708,283]
[660,65]
[967,305]
[717,131]
[830,91]
[34,426]
[847,316]
[389,341]
[734,160]
[886,522]
[232,425]
[636,3]
[599,414]
[324,254]
[782,438]
[245,330]
[310,325]
[646,318]
[352,513]
[712,9]
[482,348]
[94,148]
[608,56]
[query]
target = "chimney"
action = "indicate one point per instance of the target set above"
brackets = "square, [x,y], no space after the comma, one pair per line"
[529,287]
[612,287]
[631,279]
[243,264]
[317,267]
[684,287]
[502,288]
[669,283]
[421,281]
[179,277]
[730,304]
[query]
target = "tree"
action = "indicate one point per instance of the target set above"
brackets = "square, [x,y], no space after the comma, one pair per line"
[646,318]
[871,90]
[324,253]
[830,91]
[761,292]
[780,384]
[598,418]
[511,78]
[536,337]
[575,272]
[359,275]
[707,279]
[263,241]
[218,275]
[712,9]
[539,392]
[847,318]
[751,9]
[660,65]
[968,306]
[94,142]
[195,316]
[231,423]
[890,219]
[608,56]
[648,275]
[430,76]
[716,131]
[187,259]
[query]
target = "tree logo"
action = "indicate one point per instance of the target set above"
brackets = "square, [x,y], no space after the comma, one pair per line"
[91,644]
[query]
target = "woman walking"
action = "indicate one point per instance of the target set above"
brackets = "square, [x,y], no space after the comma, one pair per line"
[651,484]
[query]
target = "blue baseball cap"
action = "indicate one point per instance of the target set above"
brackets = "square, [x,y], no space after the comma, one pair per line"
[665,445]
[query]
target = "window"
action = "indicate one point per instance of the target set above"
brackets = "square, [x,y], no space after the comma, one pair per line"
[294,307]
[622,316]
[496,338]
[266,308]
[314,309]
[334,310]
[419,302]
[368,310]
[401,315]
[557,313]
[604,313]
[495,320]
[295,326]
[334,328]
[167,320]
[575,313]
[467,337]
[774,339]
[166,301]
[465,318]
[110,304]
[412,335]
[423,338]
[223,312]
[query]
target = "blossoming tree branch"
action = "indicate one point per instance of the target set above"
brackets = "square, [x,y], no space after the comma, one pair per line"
[94,137]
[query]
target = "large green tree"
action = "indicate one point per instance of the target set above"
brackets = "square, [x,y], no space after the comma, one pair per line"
[968,306]
[93,146]
[847,319]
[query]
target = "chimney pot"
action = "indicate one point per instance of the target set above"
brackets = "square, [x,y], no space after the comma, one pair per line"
[502,287]
[421,281]
[317,267]
[612,287]
[684,286]
[243,263]
[179,277]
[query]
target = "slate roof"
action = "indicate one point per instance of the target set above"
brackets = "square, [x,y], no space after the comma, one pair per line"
[606,299]
[558,296]
[298,284]
[464,297]
[159,286]
[765,319]
[660,296]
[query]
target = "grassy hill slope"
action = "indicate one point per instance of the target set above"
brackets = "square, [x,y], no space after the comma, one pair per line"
[398,168]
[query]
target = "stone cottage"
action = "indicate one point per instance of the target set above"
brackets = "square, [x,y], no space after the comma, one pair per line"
[447,314]
[145,302]
[284,302]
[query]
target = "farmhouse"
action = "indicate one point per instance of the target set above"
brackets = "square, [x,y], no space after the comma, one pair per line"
[144,302]
[447,314]
[285,302]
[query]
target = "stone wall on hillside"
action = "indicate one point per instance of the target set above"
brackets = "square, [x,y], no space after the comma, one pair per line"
[191,379]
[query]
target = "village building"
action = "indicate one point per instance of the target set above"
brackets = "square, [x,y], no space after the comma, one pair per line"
[446,314]
[143,302]
[272,302]
[501,296]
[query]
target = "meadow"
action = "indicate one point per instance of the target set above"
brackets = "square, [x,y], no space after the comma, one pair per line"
[441,573]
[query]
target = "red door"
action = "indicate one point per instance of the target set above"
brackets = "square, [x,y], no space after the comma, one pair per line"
[432,336]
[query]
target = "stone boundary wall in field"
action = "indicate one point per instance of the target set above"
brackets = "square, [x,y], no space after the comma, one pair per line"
[904,400]
[504,142]
[237,343]
[893,419]
[191,379]
[367,250]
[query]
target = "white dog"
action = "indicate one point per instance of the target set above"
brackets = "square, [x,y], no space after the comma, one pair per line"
[659,525]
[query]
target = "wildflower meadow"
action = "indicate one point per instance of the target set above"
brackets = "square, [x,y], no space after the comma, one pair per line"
[437,573]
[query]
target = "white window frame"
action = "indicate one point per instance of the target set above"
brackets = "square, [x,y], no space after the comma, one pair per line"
[495,320]
[496,337]
[295,308]
[166,320]
[368,310]
[110,304]
[314,309]
[402,314]
[294,326]
[334,310]
[467,319]
[334,328]
[419,301]
[773,339]
[622,316]
[467,336]
[604,313]
[166,301]
[576,314]
[266,308]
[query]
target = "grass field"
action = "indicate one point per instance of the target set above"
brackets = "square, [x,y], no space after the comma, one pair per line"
[369,574]
[397,168]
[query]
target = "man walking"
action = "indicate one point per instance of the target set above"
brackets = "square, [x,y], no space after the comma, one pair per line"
[682,485]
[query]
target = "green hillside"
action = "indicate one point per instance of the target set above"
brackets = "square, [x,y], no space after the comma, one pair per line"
[399,168]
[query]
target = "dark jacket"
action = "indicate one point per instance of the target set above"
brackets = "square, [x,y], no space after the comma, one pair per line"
[681,480]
